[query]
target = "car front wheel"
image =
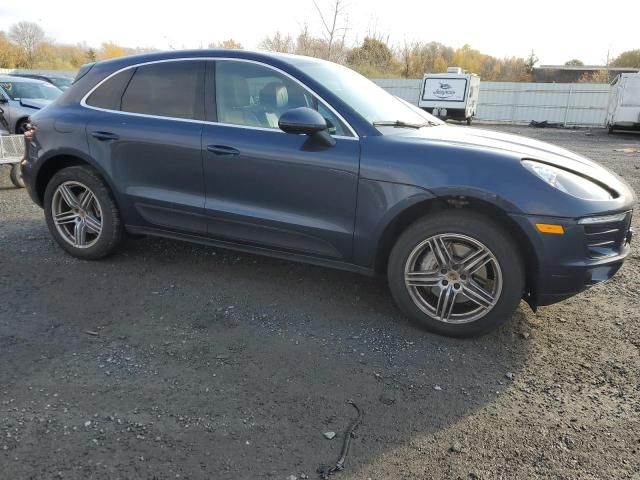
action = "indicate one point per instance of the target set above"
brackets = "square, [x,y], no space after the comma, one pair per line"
[81,213]
[456,273]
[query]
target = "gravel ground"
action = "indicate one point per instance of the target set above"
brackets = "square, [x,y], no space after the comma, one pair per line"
[172,360]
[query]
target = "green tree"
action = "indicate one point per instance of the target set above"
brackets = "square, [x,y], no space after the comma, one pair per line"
[531,61]
[574,63]
[91,55]
[630,59]
[373,57]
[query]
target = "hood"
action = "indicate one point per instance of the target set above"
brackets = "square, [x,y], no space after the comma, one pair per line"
[36,103]
[518,146]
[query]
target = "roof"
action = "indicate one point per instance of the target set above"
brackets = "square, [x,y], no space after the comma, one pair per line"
[209,53]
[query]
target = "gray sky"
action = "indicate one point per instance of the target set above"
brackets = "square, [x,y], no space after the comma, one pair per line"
[557,30]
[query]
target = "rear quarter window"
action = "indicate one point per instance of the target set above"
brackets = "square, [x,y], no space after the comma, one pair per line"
[109,94]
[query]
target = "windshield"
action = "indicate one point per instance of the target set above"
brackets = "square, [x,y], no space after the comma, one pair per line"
[61,82]
[368,99]
[30,90]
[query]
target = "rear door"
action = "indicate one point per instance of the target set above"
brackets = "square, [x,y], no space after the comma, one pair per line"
[148,137]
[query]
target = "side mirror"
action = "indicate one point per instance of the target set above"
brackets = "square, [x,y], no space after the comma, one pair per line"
[306,121]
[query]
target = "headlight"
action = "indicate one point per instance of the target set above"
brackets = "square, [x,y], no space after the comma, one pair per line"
[567,182]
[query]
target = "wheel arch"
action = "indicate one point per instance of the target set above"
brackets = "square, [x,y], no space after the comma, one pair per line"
[18,122]
[56,162]
[481,206]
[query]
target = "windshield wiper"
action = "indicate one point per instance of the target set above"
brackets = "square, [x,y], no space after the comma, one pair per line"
[400,123]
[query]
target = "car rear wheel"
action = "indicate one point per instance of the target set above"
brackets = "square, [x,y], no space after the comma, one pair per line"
[81,213]
[456,273]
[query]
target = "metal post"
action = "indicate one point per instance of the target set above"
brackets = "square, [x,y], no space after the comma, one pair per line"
[516,98]
[566,109]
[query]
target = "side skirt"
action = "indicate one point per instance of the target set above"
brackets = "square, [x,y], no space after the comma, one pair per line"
[257,250]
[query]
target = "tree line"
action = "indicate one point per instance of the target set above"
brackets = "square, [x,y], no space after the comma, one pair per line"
[26,45]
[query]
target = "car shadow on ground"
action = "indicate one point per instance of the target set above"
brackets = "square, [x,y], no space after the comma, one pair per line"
[178,359]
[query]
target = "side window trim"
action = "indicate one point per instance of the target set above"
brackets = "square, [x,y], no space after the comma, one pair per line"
[354,135]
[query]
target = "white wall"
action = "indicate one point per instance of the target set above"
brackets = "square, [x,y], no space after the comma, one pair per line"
[583,104]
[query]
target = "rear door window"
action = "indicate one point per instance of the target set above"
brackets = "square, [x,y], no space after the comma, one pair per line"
[167,89]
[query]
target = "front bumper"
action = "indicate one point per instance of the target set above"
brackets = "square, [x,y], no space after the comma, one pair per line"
[583,256]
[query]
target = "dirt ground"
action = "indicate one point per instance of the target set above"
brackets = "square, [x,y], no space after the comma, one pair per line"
[172,360]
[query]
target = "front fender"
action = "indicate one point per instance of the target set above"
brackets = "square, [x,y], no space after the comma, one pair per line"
[378,205]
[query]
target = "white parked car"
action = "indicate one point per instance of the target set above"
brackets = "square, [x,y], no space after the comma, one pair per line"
[22,97]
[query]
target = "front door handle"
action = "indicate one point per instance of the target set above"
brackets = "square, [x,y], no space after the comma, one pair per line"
[223,150]
[104,136]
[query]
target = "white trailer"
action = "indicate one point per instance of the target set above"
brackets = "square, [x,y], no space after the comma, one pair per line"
[624,102]
[450,95]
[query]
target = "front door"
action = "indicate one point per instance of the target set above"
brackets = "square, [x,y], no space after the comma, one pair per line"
[268,188]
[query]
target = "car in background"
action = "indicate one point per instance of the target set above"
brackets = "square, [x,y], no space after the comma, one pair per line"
[61,81]
[21,97]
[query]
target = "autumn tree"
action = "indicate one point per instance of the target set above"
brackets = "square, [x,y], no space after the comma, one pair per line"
[110,50]
[310,46]
[599,76]
[9,53]
[229,44]
[406,58]
[278,43]
[27,36]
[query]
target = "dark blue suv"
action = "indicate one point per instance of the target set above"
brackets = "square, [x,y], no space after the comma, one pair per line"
[306,160]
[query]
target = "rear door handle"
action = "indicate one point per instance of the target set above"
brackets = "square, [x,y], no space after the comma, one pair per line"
[223,150]
[104,136]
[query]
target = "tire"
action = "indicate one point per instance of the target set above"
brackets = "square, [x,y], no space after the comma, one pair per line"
[426,304]
[16,176]
[20,126]
[85,241]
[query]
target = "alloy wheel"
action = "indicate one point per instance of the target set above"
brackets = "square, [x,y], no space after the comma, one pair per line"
[76,214]
[453,278]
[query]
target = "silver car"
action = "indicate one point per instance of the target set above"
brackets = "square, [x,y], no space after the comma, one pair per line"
[22,97]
